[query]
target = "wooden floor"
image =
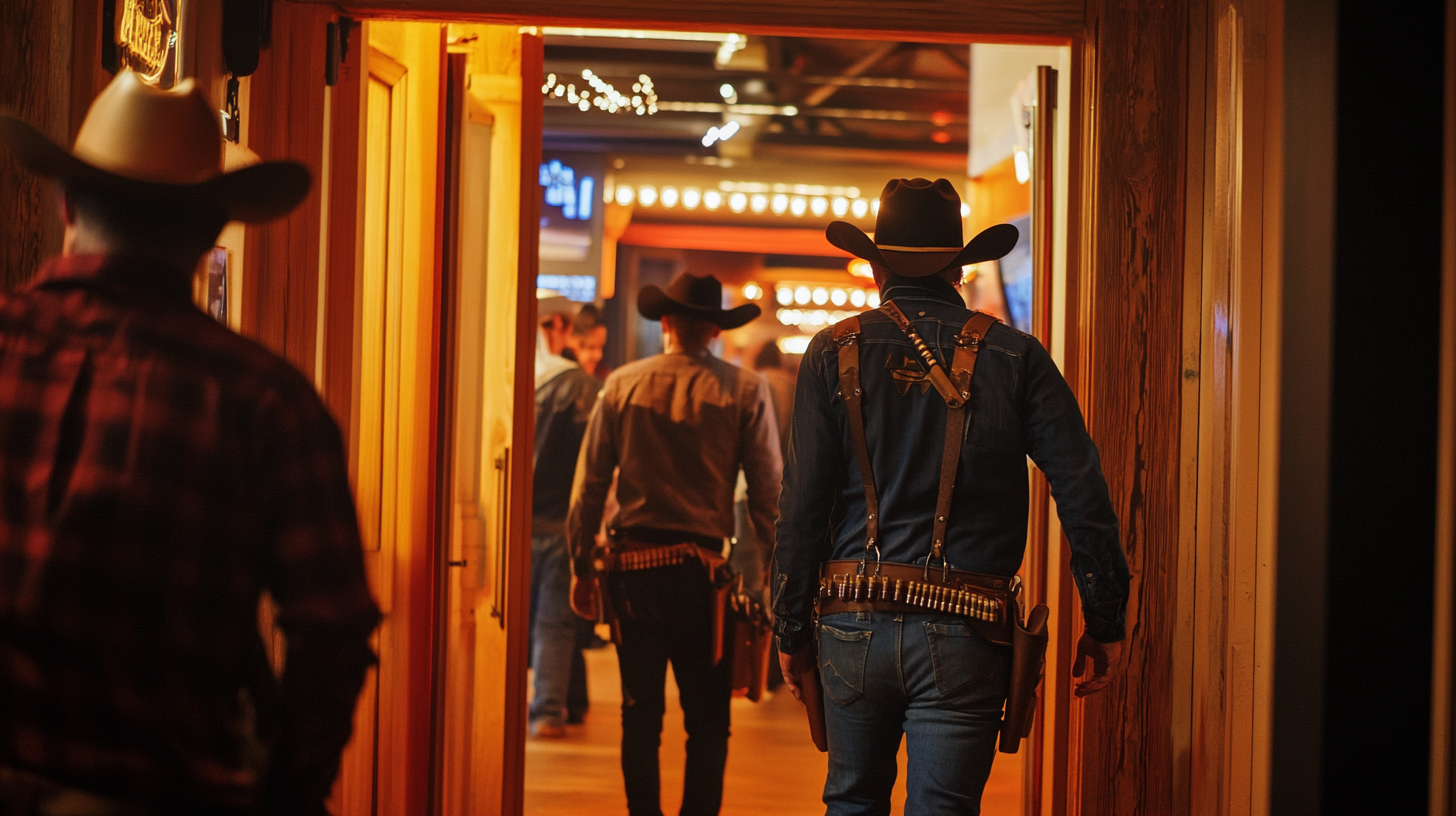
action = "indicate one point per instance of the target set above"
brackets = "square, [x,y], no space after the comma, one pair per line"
[772,766]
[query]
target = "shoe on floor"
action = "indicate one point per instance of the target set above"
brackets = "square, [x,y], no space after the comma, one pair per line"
[547,729]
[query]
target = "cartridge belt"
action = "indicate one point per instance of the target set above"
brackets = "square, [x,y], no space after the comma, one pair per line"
[988,602]
[627,556]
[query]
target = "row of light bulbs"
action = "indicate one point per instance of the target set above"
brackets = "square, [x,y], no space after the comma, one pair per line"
[811,320]
[803,295]
[712,200]
[758,203]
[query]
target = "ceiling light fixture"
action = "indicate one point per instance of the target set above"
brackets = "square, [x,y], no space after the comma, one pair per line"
[721,133]
[1023,166]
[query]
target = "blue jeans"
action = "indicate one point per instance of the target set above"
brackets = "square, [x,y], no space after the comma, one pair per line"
[933,678]
[553,627]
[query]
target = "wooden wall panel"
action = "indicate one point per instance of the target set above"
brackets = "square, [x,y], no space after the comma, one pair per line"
[1134,337]
[346,136]
[945,20]
[50,70]
[286,121]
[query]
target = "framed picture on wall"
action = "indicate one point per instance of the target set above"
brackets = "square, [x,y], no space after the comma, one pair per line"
[217,284]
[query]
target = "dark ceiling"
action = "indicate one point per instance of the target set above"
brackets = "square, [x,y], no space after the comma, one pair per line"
[793,96]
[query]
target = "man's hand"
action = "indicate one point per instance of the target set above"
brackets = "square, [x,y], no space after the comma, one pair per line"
[795,666]
[1106,664]
[584,597]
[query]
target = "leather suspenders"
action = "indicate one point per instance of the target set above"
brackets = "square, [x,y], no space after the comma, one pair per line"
[954,388]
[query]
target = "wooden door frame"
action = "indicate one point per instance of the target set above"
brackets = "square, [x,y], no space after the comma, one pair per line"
[1124,296]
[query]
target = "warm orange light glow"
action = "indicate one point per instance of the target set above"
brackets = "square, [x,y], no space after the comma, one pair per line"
[860,268]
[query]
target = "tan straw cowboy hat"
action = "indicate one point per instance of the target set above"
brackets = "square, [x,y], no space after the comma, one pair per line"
[918,231]
[142,142]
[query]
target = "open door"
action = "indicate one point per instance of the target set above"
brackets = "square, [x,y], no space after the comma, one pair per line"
[492,134]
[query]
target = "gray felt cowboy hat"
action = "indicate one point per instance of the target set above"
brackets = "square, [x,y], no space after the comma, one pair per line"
[146,143]
[698,297]
[918,231]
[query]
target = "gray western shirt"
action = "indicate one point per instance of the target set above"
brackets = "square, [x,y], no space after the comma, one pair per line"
[679,427]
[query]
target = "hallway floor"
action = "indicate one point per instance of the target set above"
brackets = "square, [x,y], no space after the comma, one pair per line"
[773,768]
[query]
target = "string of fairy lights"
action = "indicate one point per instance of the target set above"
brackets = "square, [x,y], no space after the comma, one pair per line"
[603,95]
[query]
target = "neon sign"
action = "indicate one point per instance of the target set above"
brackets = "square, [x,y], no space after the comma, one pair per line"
[147,35]
[562,190]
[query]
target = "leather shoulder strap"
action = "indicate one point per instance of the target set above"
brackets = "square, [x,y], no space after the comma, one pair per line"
[963,366]
[846,336]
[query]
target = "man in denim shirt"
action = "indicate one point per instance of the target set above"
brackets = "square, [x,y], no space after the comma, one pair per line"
[929,675]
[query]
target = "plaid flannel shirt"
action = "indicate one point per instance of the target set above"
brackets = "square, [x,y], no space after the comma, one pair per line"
[158,474]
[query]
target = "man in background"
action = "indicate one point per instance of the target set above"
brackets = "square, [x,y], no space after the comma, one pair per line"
[769,363]
[160,474]
[588,339]
[677,427]
[565,394]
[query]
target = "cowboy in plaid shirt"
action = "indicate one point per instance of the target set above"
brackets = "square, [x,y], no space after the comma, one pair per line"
[158,475]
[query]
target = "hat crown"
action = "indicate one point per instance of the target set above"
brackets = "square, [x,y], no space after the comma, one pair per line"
[702,291]
[919,213]
[149,134]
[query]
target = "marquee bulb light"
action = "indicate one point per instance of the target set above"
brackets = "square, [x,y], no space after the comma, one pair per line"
[691,197]
[624,194]
[669,196]
[712,199]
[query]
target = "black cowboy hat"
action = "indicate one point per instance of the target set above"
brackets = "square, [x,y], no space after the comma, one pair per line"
[698,297]
[918,231]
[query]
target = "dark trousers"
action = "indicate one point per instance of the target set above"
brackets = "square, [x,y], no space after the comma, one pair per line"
[666,616]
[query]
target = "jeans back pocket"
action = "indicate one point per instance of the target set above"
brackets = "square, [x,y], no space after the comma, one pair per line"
[842,659]
[960,656]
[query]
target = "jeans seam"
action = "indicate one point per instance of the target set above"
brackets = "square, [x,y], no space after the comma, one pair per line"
[900,655]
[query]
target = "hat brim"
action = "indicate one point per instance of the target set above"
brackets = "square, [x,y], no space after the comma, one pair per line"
[655,304]
[989,244]
[254,194]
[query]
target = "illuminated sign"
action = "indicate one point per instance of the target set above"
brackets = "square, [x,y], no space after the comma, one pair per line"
[570,248]
[147,39]
[576,200]
[580,288]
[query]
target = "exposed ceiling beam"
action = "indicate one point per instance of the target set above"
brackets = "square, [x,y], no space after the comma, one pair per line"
[868,61]
[957,55]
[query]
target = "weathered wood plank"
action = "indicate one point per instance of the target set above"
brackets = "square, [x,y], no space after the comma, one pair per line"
[1135,338]
[280,305]
[36,67]
[917,19]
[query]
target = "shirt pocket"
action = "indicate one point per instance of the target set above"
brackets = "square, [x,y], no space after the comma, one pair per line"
[842,659]
[960,657]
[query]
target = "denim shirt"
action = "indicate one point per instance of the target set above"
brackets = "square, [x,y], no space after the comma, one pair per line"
[1020,407]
